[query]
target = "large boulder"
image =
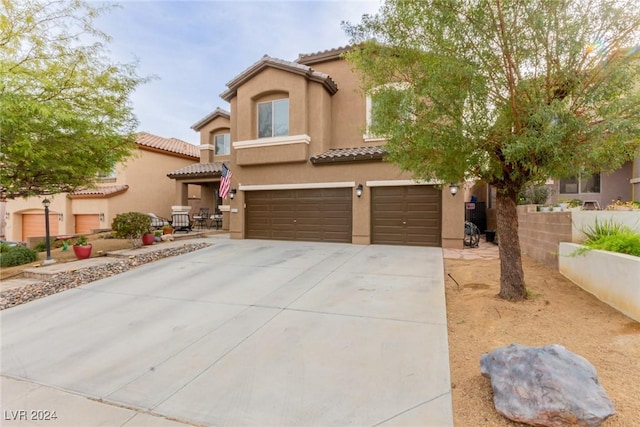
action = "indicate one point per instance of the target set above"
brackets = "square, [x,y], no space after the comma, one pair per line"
[545,386]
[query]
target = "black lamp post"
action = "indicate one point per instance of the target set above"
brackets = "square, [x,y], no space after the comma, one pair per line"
[46,204]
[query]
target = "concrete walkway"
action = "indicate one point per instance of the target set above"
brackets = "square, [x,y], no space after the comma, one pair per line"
[241,333]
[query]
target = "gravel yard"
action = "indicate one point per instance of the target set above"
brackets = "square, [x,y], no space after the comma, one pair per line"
[63,281]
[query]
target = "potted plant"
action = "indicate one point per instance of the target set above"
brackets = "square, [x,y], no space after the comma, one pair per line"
[167,229]
[132,226]
[148,238]
[82,248]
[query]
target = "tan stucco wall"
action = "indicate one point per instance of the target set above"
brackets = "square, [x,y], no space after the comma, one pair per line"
[330,121]
[348,109]
[356,173]
[268,85]
[150,190]
[288,153]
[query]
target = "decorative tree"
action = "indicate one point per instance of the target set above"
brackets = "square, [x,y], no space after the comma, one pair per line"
[511,93]
[66,114]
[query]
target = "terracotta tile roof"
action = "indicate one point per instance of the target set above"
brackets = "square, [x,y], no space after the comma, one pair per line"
[99,192]
[374,152]
[280,64]
[197,170]
[325,55]
[169,145]
[203,121]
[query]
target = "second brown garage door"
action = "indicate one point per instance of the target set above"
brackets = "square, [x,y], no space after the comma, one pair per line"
[319,215]
[409,215]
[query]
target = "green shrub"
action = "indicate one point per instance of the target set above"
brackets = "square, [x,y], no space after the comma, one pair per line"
[625,242]
[4,247]
[604,228]
[131,225]
[82,241]
[17,255]
[535,194]
[611,236]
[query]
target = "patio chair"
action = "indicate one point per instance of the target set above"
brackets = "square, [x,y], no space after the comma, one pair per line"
[181,222]
[157,222]
[201,219]
[216,219]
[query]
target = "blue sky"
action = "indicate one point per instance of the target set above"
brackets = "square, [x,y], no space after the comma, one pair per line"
[195,47]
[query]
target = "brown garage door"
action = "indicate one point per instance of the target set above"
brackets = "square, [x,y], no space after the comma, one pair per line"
[408,215]
[319,215]
[33,225]
[86,223]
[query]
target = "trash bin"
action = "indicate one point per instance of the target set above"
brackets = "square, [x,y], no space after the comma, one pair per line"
[490,235]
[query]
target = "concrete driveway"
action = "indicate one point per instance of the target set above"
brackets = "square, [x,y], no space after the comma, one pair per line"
[245,332]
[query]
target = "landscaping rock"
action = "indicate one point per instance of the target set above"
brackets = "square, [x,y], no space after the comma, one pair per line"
[545,386]
[71,279]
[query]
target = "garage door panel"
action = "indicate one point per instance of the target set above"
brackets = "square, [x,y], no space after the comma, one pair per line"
[86,223]
[406,215]
[309,214]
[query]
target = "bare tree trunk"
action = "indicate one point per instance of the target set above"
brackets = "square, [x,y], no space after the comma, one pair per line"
[511,274]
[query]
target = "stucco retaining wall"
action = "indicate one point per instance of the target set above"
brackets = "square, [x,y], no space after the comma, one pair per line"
[583,219]
[613,278]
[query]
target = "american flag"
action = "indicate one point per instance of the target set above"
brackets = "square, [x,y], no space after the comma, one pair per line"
[225,181]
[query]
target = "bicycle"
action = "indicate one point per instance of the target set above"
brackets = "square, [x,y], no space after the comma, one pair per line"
[471,235]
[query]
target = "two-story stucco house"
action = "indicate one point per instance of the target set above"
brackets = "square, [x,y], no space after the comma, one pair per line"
[138,184]
[304,166]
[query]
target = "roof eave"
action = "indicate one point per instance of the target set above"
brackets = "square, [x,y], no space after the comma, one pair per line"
[347,159]
[218,112]
[168,153]
[194,175]
[97,195]
[265,62]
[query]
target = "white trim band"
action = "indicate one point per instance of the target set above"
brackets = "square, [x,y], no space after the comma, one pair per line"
[310,185]
[276,140]
[400,182]
[206,147]
[634,181]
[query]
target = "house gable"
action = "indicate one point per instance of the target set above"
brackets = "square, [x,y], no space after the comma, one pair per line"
[217,123]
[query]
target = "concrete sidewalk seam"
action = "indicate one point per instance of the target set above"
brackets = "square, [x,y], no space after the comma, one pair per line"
[412,408]
[191,344]
[359,316]
[215,362]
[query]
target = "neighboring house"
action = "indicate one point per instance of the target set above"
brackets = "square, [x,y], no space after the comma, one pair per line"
[621,184]
[139,184]
[304,166]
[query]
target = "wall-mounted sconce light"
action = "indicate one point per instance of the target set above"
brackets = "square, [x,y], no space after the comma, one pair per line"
[60,217]
[232,193]
[101,217]
[359,189]
[453,189]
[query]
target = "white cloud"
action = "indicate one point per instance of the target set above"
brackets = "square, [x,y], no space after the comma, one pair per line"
[196,47]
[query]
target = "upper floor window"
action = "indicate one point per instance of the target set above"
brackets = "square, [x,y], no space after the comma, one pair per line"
[395,95]
[108,175]
[273,118]
[580,184]
[222,144]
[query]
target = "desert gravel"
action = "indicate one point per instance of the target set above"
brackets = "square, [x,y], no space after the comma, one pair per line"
[63,281]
